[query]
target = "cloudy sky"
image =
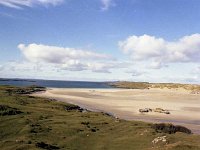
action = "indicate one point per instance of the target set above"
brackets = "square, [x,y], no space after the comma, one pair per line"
[101,40]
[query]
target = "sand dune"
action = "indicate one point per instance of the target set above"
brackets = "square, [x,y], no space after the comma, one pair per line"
[124,103]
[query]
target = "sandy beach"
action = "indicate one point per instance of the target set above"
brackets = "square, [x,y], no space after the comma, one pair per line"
[183,106]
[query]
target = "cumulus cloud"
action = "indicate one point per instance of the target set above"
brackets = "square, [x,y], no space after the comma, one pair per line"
[69,58]
[74,65]
[160,51]
[99,67]
[28,3]
[53,54]
[105,67]
[107,4]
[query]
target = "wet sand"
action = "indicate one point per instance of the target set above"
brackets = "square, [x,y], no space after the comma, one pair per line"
[124,103]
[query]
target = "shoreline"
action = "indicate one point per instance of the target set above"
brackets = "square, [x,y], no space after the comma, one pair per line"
[125,103]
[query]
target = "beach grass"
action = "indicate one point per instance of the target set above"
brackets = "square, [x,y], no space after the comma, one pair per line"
[39,123]
[147,85]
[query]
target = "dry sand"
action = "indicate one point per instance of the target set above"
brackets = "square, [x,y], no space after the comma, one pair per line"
[125,103]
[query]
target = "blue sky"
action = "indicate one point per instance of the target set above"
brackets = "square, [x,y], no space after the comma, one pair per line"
[136,40]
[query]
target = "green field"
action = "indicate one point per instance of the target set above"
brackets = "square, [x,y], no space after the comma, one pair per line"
[28,123]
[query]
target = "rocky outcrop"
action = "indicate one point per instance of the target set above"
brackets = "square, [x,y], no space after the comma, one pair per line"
[145,110]
[74,108]
[170,128]
[160,139]
[158,110]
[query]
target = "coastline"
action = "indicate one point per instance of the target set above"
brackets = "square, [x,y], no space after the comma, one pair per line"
[125,103]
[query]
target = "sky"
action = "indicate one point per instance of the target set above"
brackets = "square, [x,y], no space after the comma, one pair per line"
[101,40]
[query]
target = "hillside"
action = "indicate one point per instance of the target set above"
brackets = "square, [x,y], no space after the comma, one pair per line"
[146,85]
[32,123]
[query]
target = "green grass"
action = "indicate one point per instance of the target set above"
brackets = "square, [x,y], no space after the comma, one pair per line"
[48,124]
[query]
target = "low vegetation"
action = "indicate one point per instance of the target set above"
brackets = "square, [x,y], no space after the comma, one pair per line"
[147,85]
[32,123]
[24,90]
[6,110]
[170,128]
[130,85]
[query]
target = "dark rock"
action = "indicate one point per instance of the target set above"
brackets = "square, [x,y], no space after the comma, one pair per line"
[145,110]
[93,130]
[170,128]
[46,146]
[73,107]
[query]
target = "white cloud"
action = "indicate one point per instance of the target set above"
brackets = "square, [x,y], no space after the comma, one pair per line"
[99,67]
[69,58]
[156,65]
[74,65]
[25,69]
[1,67]
[194,79]
[196,71]
[107,4]
[105,67]
[142,47]
[20,66]
[136,73]
[28,3]
[182,79]
[160,51]
[53,54]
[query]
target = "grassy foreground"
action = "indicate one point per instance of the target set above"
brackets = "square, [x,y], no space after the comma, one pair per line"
[30,123]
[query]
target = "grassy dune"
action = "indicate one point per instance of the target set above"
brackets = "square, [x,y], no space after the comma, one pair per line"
[28,122]
[146,85]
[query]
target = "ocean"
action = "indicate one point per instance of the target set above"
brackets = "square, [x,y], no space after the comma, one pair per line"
[54,83]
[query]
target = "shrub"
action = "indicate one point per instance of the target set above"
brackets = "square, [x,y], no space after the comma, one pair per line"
[170,128]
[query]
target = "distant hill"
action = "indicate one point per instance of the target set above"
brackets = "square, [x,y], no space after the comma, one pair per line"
[147,85]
